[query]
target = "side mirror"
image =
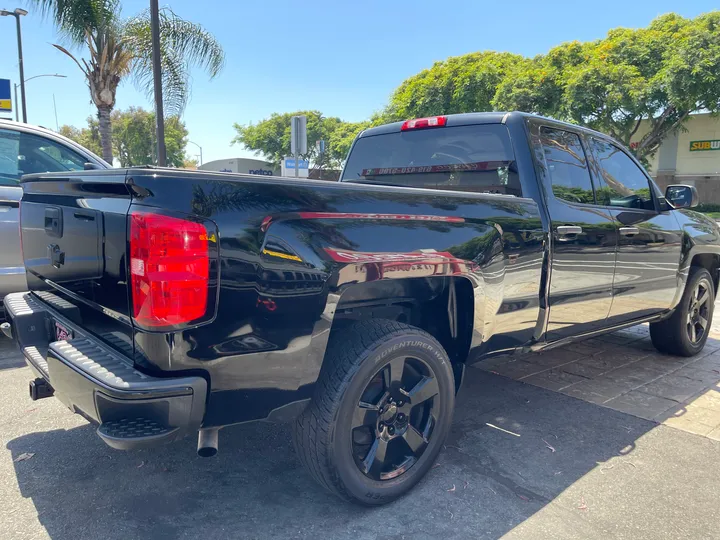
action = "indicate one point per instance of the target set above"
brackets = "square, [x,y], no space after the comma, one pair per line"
[89,166]
[681,196]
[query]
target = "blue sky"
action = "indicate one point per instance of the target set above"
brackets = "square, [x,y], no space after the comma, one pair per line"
[343,58]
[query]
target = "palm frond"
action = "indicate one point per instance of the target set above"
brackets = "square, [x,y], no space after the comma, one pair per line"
[183,45]
[64,50]
[74,18]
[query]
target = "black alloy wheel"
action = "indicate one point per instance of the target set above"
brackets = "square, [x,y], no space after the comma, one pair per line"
[698,316]
[394,419]
[381,411]
[686,330]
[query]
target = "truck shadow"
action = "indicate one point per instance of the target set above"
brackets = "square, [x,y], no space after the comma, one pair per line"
[512,450]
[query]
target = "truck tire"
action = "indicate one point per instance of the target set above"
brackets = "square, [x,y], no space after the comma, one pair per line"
[381,411]
[686,331]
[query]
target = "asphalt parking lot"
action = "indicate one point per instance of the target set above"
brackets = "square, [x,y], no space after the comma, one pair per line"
[559,467]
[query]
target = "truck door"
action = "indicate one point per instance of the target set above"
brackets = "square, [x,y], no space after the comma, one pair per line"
[583,235]
[649,241]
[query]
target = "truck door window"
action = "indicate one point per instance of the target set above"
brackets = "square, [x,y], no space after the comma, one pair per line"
[9,150]
[567,166]
[38,155]
[475,158]
[624,183]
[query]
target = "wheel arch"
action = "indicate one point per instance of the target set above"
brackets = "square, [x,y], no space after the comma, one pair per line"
[443,306]
[709,261]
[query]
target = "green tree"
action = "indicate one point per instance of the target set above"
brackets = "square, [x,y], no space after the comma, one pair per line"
[116,48]
[88,137]
[270,137]
[134,139]
[190,163]
[661,74]
[458,84]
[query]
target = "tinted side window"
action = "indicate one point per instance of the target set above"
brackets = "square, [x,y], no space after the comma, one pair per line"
[9,152]
[568,168]
[624,183]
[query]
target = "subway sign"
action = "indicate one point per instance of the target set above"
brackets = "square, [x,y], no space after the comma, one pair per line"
[701,146]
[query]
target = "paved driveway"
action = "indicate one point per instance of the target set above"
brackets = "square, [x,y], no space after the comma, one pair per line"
[522,461]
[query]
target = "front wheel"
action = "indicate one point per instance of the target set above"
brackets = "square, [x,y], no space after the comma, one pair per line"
[685,333]
[381,412]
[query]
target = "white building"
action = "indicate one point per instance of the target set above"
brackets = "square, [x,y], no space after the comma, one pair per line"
[241,165]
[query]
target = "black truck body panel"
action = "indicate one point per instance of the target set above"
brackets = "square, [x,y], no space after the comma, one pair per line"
[266,345]
[295,257]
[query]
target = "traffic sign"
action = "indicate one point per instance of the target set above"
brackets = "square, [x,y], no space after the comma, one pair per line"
[302,164]
[5,99]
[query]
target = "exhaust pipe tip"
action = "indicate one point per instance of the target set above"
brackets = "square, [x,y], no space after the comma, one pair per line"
[208,442]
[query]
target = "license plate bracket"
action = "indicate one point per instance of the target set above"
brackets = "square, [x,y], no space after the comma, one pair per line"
[62,333]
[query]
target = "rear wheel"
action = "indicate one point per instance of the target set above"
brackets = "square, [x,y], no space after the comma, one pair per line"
[381,412]
[685,333]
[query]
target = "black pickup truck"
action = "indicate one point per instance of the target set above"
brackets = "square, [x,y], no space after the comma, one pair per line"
[165,303]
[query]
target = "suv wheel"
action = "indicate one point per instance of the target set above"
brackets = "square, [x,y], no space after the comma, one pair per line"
[381,412]
[685,333]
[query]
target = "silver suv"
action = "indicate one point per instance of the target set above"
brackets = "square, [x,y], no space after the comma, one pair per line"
[26,149]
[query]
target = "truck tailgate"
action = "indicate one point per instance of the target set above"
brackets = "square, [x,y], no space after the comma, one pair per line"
[74,237]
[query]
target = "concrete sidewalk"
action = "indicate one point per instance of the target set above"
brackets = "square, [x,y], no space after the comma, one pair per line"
[623,371]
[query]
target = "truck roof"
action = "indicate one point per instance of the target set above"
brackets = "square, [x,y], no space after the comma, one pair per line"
[475,118]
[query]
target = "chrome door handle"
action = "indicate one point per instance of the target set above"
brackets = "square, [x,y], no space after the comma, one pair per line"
[629,231]
[564,230]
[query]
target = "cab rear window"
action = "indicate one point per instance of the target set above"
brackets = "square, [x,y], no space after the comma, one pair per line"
[476,158]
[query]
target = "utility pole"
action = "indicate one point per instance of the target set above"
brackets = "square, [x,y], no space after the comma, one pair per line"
[17,14]
[200,147]
[157,83]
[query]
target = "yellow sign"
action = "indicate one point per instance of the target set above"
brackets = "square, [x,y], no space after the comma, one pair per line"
[5,105]
[701,146]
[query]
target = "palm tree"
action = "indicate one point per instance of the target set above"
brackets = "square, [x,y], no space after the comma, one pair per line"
[118,48]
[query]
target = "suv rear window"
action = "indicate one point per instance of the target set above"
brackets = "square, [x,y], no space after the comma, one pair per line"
[476,158]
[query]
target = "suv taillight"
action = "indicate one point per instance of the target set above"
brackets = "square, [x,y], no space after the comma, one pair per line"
[169,269]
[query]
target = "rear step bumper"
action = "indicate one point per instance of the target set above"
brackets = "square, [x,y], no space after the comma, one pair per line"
[132,409]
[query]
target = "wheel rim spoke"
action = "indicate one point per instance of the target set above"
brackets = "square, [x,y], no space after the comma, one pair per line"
[375,460]
[703,322]
[366,414]
[703,298]
[693,333]
[427,388]
[414,440]
[393,372]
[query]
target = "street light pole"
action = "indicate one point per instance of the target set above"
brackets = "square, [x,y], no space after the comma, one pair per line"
[22,87]
[200,147]
[157,83]
[17,14]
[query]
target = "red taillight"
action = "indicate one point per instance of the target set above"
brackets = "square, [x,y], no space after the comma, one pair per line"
[169,269]
[420,123]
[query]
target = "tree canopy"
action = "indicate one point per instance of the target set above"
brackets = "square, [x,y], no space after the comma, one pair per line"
[271,137]
[89,136]
[660,74]
[133,137]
